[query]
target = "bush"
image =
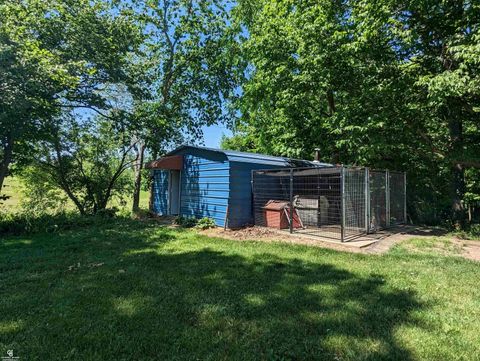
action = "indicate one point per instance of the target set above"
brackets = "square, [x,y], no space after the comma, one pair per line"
[108,212]
[25,222]
[187,222]
[190,222]
[205,223]
[473,232]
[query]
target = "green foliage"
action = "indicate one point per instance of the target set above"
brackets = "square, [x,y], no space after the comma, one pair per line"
[69,53]
[243,142]
[192,222]
[385,84]
[186,222]
[473,232]
[29,221]
[88,161]
[40,193]
[188,68]
[205,223]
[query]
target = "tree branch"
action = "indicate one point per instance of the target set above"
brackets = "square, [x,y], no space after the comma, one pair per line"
[467,163]
[73,106]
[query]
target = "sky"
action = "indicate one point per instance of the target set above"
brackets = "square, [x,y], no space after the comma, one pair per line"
[213,134]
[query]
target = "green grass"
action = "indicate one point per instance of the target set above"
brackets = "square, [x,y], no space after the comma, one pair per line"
[14,189]
[136,291]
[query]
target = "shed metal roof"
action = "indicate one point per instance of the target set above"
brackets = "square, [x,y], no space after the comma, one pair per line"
[235,156]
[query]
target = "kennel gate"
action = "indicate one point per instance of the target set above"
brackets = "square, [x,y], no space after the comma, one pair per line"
[338,203]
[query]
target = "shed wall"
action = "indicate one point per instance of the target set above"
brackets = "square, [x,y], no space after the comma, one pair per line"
[211,181]
[241,206]
[160,192]
[204,185]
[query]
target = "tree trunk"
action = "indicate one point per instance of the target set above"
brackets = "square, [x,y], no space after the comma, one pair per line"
[138,177]
[458,176]
[60,171]
[331,102]
[72,197]
[150,193]
[335,159]
[7,158]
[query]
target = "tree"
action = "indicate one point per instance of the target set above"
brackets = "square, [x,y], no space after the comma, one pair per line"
[441,42]
[387,84]
[190,66]
[87,161]
[56,55]
[22,108]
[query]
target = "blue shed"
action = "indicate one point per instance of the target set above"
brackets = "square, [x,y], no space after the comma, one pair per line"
[201,182]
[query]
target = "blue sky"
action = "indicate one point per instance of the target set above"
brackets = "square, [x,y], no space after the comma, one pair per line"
[213,134]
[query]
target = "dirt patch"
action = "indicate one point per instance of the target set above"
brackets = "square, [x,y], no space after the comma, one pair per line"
[272,235]
[471,250]
[436,243]
[437,240]
[426,240]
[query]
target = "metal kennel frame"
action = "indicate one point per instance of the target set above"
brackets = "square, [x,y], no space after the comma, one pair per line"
[340,203]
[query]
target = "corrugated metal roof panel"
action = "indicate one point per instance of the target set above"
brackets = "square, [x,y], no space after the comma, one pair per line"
[248,157]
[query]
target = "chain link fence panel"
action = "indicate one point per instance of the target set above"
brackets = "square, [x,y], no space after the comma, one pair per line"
[339,203]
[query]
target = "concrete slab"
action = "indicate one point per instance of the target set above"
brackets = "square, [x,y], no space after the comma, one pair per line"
[359,242]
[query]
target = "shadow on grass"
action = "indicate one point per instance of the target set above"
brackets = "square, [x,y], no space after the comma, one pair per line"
[146,302]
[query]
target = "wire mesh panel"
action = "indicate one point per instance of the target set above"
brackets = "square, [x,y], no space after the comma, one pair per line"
[378,200]
[354,202]
[270,187]
[397,197]
[317,201]
[333,202]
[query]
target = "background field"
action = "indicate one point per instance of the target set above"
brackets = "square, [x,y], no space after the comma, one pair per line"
[15,190]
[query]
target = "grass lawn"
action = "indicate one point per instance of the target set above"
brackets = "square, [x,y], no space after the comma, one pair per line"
[136,291]
[14,189]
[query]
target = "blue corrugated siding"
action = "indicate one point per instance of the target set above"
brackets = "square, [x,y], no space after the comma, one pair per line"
[160,192]
[212,180]
[240,206]
[205,185]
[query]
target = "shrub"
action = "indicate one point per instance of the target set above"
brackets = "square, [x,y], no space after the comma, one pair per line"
[205,223]
[187,222]
[108,212]
[473,232]
[25,222]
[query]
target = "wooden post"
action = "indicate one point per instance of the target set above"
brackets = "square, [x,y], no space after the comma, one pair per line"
[225,223]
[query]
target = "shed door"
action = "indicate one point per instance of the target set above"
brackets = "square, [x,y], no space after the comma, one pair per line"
[174,192]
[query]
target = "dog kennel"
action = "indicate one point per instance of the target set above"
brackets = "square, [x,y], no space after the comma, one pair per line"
[339,202]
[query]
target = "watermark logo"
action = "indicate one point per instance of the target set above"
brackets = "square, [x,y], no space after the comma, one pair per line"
[10,356]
